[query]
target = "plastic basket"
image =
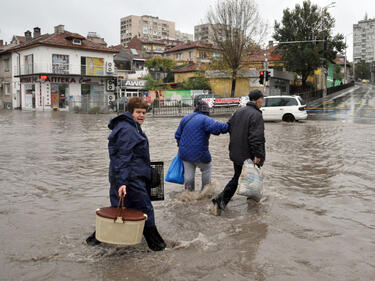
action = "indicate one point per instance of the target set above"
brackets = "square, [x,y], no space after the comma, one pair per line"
[157,181]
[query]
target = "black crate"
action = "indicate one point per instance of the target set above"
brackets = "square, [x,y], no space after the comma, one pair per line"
[157,181]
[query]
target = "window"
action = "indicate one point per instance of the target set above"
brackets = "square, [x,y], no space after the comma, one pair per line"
[6,65]
[7,89]
[273,102]
[76,41]
[190,55]
[60,64]
[92,66]
[29,67]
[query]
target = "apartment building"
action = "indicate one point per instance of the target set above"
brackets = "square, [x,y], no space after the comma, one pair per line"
[205,33]
[147,27]
[184,37]
[364,40]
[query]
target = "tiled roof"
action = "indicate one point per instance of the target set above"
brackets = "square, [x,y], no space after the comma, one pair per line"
[192,45]
[63,40]
[21,39]
[271,55]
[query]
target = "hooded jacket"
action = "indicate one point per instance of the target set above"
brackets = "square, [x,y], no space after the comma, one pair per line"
[193,140]
[246,128]
[128,151]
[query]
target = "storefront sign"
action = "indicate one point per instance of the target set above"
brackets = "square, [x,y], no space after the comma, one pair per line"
[133,83]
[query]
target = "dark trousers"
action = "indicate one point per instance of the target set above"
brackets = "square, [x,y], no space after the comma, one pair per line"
[231,186]
[137,198]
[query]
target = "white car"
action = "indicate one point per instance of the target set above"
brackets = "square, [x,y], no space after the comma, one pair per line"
[283,108]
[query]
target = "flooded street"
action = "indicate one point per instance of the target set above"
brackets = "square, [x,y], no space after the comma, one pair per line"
[315,222]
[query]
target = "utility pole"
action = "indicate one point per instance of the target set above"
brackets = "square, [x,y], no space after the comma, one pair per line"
[265,73]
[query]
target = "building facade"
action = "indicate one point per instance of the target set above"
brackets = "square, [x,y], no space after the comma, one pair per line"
[59,70]
[364,40]
[184,37]
[205,33]
[147,27]
[196,52]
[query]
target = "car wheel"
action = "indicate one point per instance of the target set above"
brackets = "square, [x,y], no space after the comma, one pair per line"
[289,118]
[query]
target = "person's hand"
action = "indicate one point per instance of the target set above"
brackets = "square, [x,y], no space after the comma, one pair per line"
[256,160]
[122,191]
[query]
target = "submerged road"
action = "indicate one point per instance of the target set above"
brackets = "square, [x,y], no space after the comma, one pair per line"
[315,222]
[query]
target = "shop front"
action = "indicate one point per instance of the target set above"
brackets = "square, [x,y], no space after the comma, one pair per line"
[42,92]
[133,88]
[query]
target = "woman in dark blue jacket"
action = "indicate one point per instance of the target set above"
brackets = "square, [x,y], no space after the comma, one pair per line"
[129,167]
[192,137]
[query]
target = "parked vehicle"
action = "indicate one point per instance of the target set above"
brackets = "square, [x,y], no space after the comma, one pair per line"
[284,108]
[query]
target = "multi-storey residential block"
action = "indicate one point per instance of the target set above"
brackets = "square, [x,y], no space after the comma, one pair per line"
[205,32]
[52,70]
[184,37]
[364,40]
[147,27]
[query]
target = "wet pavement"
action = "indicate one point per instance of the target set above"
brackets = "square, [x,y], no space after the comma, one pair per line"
[315,222]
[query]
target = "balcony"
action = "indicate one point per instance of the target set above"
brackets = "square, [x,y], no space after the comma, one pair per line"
[62,69]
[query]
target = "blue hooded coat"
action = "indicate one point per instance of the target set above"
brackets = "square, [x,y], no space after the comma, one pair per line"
[193,140]
[130,165]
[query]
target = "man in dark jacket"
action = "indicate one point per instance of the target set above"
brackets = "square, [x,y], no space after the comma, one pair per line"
[246,128]
[192,137]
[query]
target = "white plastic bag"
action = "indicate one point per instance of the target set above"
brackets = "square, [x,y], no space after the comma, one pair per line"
[251,182]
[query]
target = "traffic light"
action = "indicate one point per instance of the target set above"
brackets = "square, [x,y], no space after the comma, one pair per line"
[268,75]
[261,77]
[43,77]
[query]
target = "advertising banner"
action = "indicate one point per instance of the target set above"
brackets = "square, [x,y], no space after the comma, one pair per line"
[94,66]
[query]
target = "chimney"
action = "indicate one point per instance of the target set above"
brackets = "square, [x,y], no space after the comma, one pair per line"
[1,43]
[36,32]
[59,29]
[28,35]
[270,44]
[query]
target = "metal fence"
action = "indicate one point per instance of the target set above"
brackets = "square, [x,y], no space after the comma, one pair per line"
[311,96]
[89,104]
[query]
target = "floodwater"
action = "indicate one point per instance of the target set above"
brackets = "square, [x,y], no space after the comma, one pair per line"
[315,222]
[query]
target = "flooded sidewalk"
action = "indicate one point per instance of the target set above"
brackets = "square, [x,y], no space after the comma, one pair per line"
[315,222]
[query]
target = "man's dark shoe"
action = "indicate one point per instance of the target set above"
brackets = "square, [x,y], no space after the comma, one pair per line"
[153,239]
[218,205]
[92,241]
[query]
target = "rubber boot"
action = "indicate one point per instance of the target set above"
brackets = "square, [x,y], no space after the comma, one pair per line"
[92,241]
[153,239]
[219,204]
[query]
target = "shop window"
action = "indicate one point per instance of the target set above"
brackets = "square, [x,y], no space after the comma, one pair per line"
[30,95]
[60,64]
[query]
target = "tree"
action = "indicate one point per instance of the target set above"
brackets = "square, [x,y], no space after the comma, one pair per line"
[307,23]
[362,70]
[337,74]
[236,27]
[160,64]
[195,83]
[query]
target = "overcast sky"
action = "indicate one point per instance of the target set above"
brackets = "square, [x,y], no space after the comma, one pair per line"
[103,17]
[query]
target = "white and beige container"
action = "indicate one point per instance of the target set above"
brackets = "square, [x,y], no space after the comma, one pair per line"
[120,226]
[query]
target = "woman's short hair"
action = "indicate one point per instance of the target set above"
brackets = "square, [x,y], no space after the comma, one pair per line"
[136,102]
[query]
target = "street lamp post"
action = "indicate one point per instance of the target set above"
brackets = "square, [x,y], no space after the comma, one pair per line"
[330,5]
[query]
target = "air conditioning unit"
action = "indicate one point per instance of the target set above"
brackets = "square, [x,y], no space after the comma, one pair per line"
[109,67]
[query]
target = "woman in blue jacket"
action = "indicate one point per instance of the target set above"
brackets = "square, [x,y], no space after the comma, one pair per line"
[129,167]
[192,137]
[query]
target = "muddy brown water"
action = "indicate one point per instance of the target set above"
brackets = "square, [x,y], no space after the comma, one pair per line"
[315,222]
